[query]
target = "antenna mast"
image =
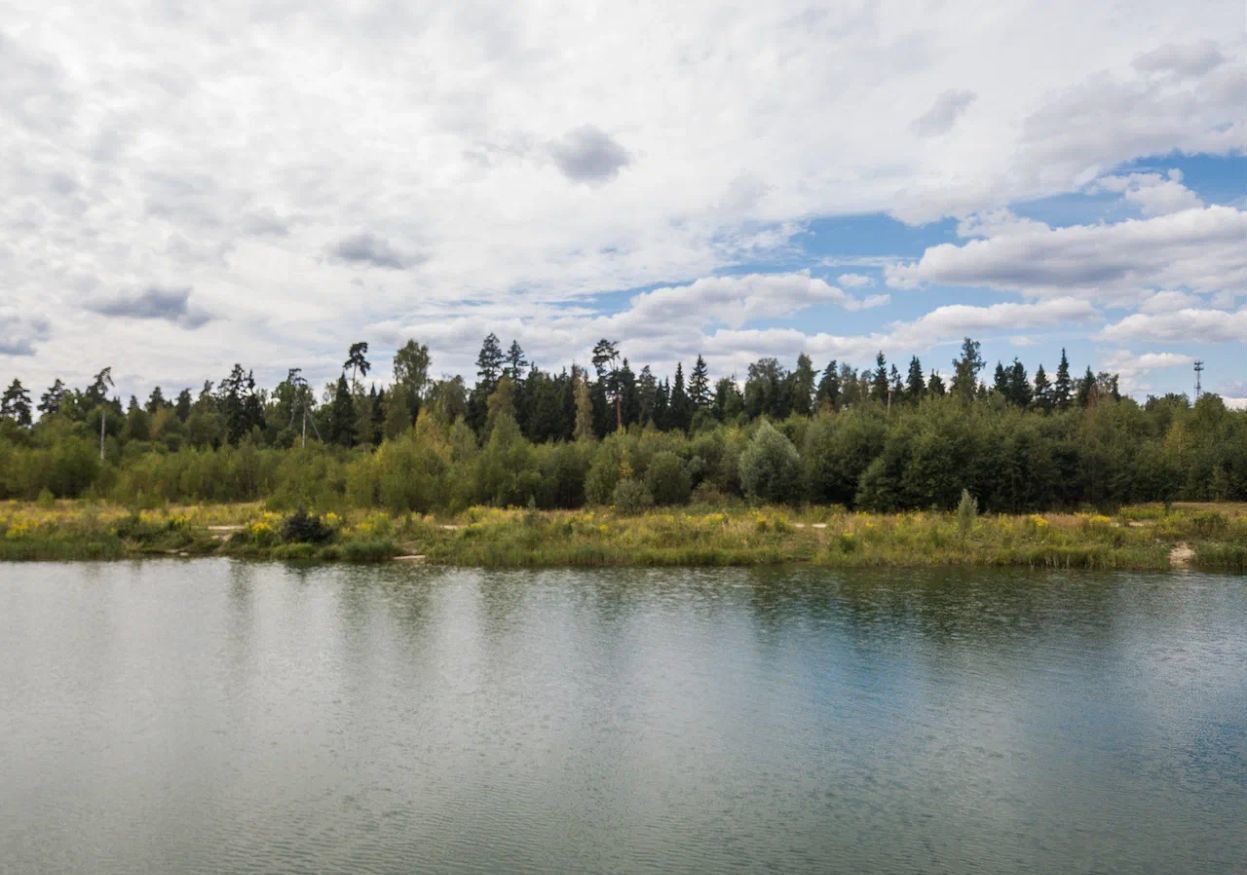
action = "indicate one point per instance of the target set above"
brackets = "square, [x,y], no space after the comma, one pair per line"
[1199,368]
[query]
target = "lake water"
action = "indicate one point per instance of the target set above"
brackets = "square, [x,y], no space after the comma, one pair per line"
[217,716]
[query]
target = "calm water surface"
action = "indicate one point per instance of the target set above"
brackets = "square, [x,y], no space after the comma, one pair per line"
[226,717]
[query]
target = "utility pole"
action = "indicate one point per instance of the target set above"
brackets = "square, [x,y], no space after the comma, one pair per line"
[1199,368]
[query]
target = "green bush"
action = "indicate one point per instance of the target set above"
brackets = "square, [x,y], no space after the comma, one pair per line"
[770,467]
[667,479]
[302,527]
[368,551]
[631,496]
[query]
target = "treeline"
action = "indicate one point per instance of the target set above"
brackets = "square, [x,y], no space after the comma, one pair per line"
[520,436]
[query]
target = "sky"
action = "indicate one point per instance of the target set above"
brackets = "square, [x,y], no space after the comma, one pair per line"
[185,185]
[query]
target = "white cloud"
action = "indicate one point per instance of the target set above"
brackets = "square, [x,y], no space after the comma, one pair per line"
[1155,195]
[1133,368]
[735,300]
[943,114]
[1184,325]
[1190,59]
[1164,302]
[317,173]
[1197,249]
[955,321]
[854,280]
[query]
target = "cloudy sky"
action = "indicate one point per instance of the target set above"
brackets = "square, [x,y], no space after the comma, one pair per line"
[186,184]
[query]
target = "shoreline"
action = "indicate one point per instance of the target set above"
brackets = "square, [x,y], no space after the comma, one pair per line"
[1209,537]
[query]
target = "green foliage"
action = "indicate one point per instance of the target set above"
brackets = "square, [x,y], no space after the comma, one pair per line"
[770,467]
[667,479]
[967,511]
[631,496]
[305,528]
[875,438]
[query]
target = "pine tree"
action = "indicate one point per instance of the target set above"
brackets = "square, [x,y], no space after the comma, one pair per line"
[15,403]
[516,366]
[489,363]
[583,429]
[605,356]
[935,385]
[357,361]
[966,370]
[50,402]
[97,393]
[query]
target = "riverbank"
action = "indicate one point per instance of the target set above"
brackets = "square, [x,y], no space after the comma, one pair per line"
[1144,537]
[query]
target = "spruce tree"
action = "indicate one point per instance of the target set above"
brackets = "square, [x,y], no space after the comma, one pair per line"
[182,407]
[879,379]
[647,395]
[801,386]
[1063,388]
[728,402]
[915,385]
[629,405]
[829,387]
[1019,385]
[1086,388]
[1000,381]
[156,401]
[342,414]
[681,412]
[896,389]
[1042,396]
[699,385]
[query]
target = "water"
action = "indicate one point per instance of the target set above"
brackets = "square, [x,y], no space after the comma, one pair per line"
[227,717]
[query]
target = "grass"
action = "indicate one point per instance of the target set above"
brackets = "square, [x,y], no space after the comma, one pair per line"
[1139,537]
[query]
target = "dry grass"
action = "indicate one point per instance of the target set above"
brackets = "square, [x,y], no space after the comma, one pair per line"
[1139,537]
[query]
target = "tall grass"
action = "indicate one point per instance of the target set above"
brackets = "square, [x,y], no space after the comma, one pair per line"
[1136,538]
